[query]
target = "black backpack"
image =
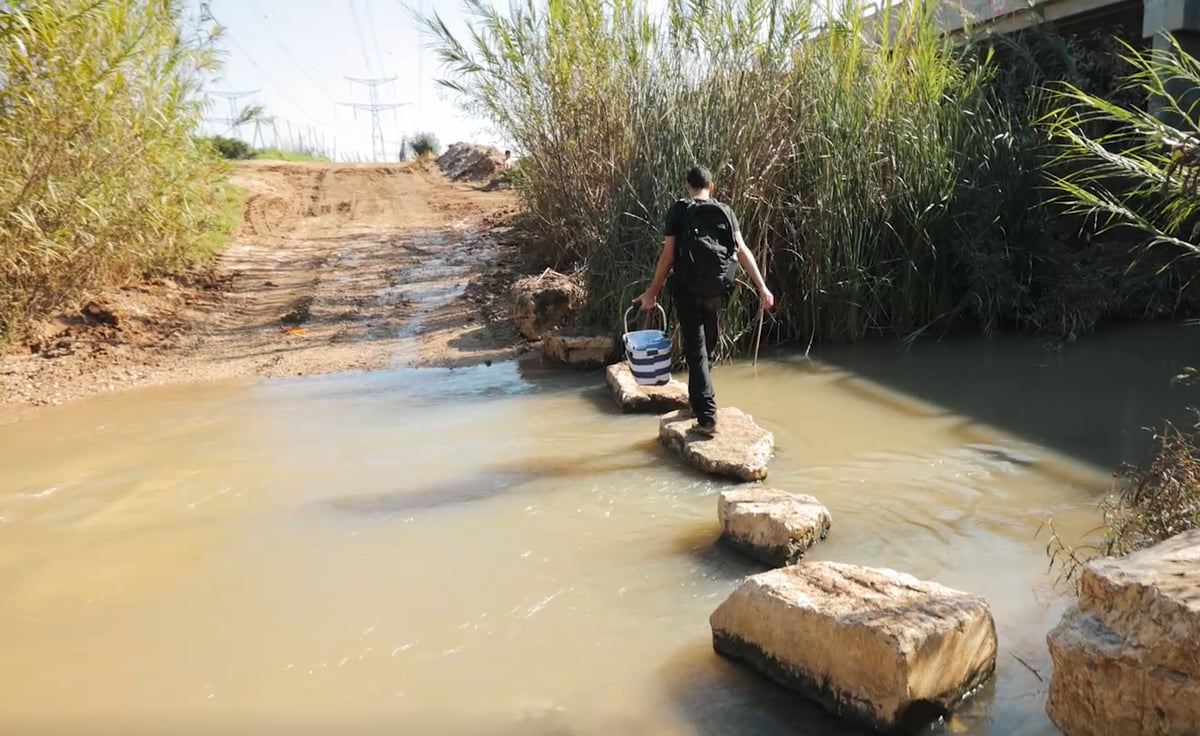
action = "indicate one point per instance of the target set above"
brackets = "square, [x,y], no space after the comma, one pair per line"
[705,251]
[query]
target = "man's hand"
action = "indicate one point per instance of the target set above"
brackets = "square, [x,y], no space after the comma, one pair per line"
[648,300]
[768,299]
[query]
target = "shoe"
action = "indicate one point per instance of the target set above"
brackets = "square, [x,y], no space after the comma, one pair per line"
[708,429]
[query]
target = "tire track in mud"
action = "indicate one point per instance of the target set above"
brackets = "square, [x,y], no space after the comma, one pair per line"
[335,267]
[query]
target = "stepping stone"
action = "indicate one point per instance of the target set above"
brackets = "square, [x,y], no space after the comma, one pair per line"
[634,397]
[873,646]
[773,527]
[1125,656]
[579,351]
[741,449]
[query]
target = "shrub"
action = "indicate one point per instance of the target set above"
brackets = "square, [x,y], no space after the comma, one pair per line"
[100,177]
[1159,499]
[424,144]
[1150,503]
[231,148]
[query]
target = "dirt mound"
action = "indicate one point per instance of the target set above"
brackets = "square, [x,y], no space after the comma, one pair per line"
[545,303]
[471,161]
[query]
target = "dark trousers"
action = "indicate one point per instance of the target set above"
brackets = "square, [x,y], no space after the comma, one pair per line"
[698,330]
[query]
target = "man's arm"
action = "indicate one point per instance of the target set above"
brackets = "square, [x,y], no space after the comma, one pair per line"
[649,297]
[746,258]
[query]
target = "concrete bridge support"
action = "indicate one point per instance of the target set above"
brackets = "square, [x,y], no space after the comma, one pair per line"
[1181,18]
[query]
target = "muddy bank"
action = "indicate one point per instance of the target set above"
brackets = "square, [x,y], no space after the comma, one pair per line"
[334,267]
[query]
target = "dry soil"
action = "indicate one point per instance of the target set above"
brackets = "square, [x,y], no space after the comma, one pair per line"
[334,267]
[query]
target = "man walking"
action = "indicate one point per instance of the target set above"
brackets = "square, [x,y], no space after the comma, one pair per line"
[702,246]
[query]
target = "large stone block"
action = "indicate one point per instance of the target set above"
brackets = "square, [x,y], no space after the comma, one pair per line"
[741,449]
[634,397]
[874,646]
[579,351]
[773,527]
[1125,658]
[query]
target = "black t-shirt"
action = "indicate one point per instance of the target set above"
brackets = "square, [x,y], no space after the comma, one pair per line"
[675,217]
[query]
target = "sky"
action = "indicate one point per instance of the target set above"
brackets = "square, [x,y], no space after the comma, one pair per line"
[298,53]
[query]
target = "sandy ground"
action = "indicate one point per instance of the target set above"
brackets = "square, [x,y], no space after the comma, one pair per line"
[335,267]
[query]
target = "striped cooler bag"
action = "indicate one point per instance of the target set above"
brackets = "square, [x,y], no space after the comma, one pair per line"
[648,352]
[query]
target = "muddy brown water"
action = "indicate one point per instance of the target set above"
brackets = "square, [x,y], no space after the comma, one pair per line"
[494,550]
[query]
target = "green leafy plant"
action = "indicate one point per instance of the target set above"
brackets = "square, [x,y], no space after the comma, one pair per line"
[1136,166]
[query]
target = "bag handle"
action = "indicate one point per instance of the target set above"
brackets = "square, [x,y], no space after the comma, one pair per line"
[662,312]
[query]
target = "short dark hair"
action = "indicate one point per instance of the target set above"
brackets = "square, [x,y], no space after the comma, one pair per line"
[699,177]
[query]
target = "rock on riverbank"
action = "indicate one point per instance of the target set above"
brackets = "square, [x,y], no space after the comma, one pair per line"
[773,527]
[634,397]
[1125,658]
[741,449]
[579,350]
[544,303]
[874,646]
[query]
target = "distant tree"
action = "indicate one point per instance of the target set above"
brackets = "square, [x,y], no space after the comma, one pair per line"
[425,144]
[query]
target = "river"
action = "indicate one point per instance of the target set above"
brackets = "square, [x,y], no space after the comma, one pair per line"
[495,550]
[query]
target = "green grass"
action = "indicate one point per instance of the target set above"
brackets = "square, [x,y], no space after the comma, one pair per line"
[230,202]
[276,154]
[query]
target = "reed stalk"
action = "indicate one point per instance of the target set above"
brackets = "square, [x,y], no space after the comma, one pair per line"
[101,180]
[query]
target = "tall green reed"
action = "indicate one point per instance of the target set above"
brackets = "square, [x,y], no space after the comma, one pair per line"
[100,178]
[1136,167]
[880,183]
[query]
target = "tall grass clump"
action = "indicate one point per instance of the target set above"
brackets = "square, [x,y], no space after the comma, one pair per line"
[101,179]
[872,174]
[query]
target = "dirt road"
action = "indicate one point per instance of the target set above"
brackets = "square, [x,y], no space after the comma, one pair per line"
[334,267]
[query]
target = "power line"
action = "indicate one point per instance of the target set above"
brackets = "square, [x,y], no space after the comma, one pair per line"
[374,34]
[420,74]
[278,88]
[378,146]
[284,48]
[234,122]
[206,8]
[362,44]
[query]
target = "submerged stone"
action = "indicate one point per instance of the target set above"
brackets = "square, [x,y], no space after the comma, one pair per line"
[874,646]
[773,527]
[1125,656]
[740,449]
[579,350]
[634,397]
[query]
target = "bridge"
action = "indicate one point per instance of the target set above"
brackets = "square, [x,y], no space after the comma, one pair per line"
[1132,19]
[1142,23]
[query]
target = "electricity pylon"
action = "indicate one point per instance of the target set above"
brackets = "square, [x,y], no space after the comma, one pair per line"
[378,146]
